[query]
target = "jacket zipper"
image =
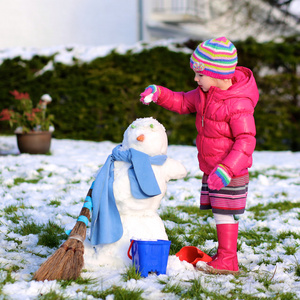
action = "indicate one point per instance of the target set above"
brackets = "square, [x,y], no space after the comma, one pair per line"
[205,108]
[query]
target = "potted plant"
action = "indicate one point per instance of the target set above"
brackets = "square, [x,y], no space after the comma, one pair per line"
[32,127]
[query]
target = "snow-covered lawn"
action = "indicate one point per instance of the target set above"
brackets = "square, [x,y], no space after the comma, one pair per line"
[36,189]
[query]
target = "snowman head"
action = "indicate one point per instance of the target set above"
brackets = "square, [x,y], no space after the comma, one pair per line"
[146,135]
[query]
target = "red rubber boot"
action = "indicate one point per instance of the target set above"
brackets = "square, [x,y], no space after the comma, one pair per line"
[226,261]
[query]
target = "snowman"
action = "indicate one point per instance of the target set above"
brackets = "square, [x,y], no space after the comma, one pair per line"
[139,171]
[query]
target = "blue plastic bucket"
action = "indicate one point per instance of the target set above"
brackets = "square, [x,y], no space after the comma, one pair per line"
[149,256]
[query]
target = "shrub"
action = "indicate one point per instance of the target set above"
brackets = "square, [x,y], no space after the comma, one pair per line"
[98,100]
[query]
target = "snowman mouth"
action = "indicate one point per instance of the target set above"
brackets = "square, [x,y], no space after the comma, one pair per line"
[141,138]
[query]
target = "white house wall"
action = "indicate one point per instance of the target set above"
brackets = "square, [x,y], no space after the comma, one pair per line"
[44,23]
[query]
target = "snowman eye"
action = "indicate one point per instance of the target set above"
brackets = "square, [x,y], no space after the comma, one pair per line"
[151,125]
[133,126]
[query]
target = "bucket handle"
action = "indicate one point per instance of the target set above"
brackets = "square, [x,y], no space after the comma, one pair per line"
[128,252]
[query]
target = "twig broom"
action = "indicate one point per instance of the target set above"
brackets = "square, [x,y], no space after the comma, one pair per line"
[67,262]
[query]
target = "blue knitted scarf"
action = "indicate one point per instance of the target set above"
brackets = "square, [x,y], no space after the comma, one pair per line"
[106,225]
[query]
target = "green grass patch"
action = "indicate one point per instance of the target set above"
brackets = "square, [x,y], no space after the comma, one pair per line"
[194,211]
[176,236]
[197,291]
[172,215]
[131,273]
[6,274]
[195,236]
[280,176]
[14,218]
[119,293]
[38,254]
[283,206]
[297,268]
[261,211]
[256,237]
[270,172]
[199,234]
[53,295]
[55,203]
[75,181]
[290,250]
[188,231]
[254,174]
[51,235]
[176,289]
[20,180]
[79,280]
[29,228]
[10,209]
[15,240]
[287,296]
[266,278]
[11,213]
[288,234]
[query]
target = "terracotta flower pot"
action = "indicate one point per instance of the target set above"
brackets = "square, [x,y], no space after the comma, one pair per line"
[35,142]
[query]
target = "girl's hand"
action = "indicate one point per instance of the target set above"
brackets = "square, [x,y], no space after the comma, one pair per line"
[218,178]
[151,93]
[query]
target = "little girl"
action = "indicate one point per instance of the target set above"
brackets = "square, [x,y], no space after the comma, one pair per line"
[224,103]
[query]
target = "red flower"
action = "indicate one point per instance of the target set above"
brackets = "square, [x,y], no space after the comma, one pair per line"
[30,116]
[20,96]
[5,115]
[26,117]
[36,110]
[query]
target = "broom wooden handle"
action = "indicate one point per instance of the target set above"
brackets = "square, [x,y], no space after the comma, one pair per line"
[79,230]
[86,211]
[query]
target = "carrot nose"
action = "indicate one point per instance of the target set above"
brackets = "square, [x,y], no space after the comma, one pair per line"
[140,138]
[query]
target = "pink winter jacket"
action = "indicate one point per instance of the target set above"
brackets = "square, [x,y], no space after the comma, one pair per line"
[224,121]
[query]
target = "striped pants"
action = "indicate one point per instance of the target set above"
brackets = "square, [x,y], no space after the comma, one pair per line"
[228,200]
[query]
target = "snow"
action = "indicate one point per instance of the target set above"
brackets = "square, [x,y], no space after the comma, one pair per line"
[66,175]
[67,54]
[295,7]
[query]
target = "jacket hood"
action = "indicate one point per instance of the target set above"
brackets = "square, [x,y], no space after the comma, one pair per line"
[243,86]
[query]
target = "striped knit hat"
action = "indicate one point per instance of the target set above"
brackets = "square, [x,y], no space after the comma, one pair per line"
[216,58]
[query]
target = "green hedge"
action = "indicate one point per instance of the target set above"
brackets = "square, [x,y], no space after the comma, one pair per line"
[98,100]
